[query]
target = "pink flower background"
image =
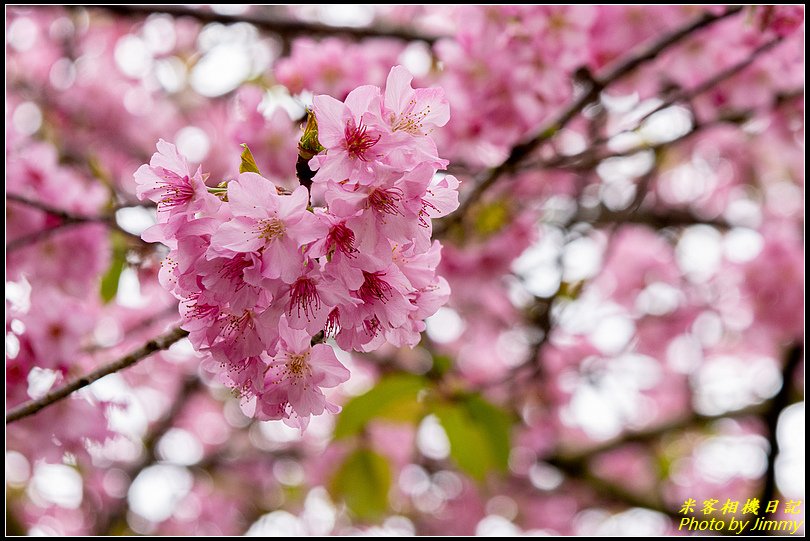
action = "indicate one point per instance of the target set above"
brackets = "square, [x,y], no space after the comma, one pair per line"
[545,274]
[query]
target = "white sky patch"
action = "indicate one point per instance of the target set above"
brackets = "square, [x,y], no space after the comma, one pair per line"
[722,458]
[539,264]
[158,489]
[193,143]
[277,524]
[726,383]
[17,469]
[27,118]
[417,58]
[40,381]
[22,34]
[582,259]
[790,463]
[699,252]
[666,125]
[658,299]
[129,290]
[56,484]
[221,70]
[19,295]
[181,447]
[612,333]
[445,326]
[132,56]
[158,34]
[431,439]
[496,526]
[741,245]
[171,73]
[135,220]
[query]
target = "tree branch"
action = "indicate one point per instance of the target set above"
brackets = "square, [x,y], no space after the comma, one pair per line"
[652,218]
[522,150]
[685,95]
[286,28]
[68,220]
[59,213]
[779,402]
[157,344]
[575,160]
[561,456]
[575,464]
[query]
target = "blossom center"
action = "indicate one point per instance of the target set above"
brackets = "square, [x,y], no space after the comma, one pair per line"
[341,238]
[358,141]
[297,364]
[237,324]
[411,121]
[270,228]
[177,191]
[305,296]
[385,200]
[374,288]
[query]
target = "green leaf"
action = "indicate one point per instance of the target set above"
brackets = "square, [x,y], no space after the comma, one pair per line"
[496,424]
[478,433]
[441,365]
[363,482]
[468,446]
[109,282]
[394,398]
[309,145]
[248,164]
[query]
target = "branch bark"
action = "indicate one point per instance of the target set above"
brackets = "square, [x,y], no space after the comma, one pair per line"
[627,66]
[68,220]
[793,357]
[157,344]
[286,28]
[575,464]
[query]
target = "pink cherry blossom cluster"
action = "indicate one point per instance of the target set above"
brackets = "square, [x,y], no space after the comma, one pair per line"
[334,66]
[264,277]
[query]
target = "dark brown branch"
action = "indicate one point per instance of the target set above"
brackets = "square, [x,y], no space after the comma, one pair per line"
[286,28]
[41,235]
[654,219]
[651,434]
[613,492]
[686,95]
[522,150]
[793,357]
[588,158]
[576,464]
[157,344]
[59,213]
[68,220]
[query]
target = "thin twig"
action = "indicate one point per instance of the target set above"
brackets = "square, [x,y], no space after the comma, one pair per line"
[686,95]
[576,464]
[68,220]
[522,150]
[654,219]
[286,28]
[59,213]
[41,235]
[681,96]
[793,357]
[157,344]
[652,434]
